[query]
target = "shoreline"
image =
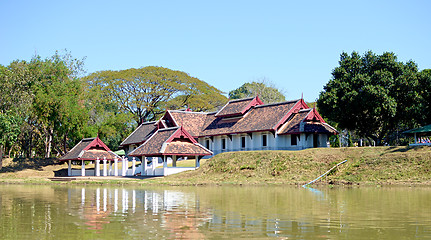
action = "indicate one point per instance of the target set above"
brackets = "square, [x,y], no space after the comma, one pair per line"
[376,166]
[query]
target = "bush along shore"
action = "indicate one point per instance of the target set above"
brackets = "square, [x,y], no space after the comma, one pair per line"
[364,166]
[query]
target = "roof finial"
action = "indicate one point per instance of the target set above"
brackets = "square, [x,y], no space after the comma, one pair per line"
[302,96]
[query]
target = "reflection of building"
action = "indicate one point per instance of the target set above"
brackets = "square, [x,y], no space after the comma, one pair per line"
[174,211]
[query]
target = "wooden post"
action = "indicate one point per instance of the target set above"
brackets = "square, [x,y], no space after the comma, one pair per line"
[115,166]
[97,168]
[69,168]
[83,168]
[105,172]
[416,140]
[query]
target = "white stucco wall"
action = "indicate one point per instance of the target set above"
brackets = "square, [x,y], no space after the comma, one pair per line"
[255,142]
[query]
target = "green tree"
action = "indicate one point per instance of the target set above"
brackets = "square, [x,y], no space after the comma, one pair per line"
[106,119]
[266,92]
[58,104]
[16,96]
[425,91]
[147,92]
[9,131]
[374,95]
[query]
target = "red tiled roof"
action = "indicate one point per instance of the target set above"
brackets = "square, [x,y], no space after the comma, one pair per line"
[192,121]
[260,118]
[185,148]
[170,142]
[141,134]
[238,107]
[154,144]
[94,154]
[311,123]
[89,149]
[293,124]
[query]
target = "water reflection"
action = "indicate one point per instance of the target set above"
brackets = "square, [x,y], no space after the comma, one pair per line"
[213,212]
[175,212]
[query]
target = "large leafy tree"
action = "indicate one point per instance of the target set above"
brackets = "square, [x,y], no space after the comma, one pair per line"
[266,91]
[147,92]
[374,95]
[48,96]
[106,119]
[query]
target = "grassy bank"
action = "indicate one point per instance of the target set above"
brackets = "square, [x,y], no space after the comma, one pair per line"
[376,165]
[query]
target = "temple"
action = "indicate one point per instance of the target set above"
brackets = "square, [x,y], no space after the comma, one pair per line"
[243,125]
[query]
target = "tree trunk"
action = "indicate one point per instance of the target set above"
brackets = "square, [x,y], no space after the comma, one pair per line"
[65,142]
[59,151]
[48,143]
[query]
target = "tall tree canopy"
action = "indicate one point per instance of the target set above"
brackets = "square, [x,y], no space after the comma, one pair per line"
[374,95]
[425,92]
[48,96]
[147,92]
[266,91]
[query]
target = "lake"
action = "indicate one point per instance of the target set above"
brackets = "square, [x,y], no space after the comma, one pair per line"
[89,212]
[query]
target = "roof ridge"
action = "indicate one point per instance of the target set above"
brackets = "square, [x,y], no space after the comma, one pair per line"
[167,129]
[88,139]
[179,111]
[147,123]
[241,99]
[275,104]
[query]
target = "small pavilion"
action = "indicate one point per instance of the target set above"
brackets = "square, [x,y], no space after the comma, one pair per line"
[420,133]
[91,149]
[174,142]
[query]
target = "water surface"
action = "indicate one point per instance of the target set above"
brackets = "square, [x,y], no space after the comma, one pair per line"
[57,212]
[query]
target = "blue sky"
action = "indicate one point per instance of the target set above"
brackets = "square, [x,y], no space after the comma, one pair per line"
[293,44]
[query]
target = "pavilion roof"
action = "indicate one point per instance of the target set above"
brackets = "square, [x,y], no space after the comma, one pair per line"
[424,130]
[89,149]
[171,141]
